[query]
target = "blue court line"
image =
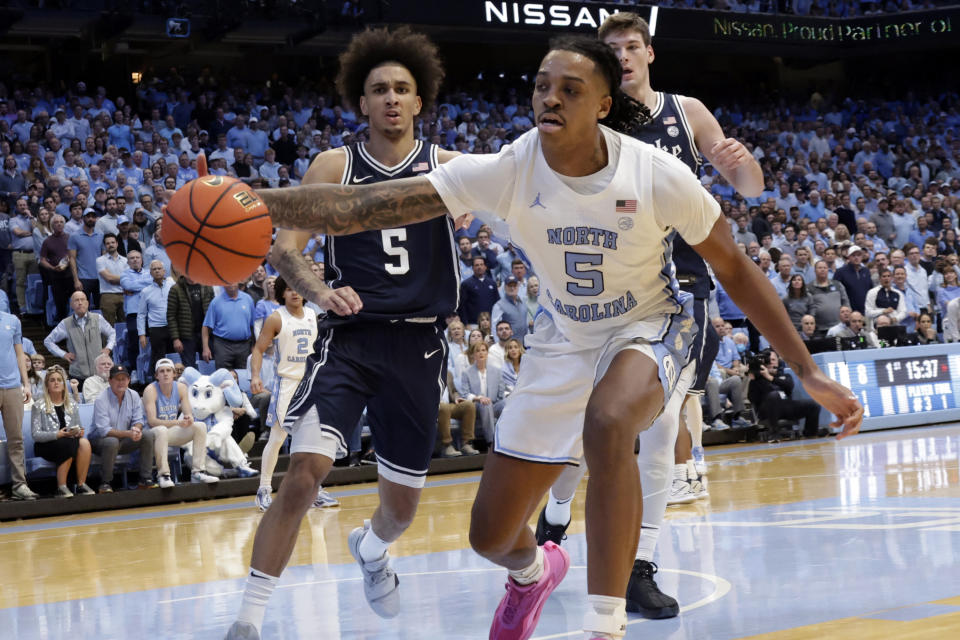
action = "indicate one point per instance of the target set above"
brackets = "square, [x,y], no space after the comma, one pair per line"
[211,508]
[853,439]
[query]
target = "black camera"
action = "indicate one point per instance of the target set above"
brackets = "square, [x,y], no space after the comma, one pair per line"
[754,362]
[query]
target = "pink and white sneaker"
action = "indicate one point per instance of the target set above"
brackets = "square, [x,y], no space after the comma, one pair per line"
[519,611]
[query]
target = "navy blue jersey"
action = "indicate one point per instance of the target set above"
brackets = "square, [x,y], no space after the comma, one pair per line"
[669,131]
[407,272]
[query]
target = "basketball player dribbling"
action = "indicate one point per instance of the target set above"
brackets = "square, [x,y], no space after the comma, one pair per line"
[291,330]
[681,126]
[605,355]
[379,346]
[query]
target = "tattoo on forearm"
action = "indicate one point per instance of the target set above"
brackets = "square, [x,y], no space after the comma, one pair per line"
[296,272]
[342,209]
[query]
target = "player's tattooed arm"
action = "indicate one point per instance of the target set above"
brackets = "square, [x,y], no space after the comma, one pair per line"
[287,257]
[343,210]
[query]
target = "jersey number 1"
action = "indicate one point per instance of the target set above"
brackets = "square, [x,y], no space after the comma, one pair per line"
[389,236]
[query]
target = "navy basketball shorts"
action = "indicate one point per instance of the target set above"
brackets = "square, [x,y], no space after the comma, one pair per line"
[397,371]
[706,344]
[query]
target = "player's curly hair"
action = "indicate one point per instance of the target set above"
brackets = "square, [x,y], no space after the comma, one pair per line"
[279,288]
[374,47]
[627,114]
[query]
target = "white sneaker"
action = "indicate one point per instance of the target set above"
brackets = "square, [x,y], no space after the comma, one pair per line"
[199,476]
[263,499]
[325,500]
[242,631]
[680,491]
[380,582]
[166,482]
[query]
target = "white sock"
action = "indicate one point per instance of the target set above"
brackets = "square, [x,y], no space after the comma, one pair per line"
[692,470]
[680,472]
[259,588]
[606,617]
[371,546]
[531,573]
[558,511]
[694,419]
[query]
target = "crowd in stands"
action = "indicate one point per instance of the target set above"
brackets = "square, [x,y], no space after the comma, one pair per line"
[857,227]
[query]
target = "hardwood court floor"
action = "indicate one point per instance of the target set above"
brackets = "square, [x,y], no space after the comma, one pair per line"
[821,539]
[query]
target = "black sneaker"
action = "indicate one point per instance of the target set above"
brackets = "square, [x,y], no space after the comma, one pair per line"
[644,596]
[546,531]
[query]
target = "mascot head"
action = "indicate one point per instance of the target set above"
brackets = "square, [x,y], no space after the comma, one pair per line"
[210,394]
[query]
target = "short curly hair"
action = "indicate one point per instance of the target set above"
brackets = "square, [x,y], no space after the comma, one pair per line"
[374,47]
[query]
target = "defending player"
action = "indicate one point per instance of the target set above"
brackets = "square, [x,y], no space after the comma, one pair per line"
[605,357]
[292,330]
[685,128]
[378,347]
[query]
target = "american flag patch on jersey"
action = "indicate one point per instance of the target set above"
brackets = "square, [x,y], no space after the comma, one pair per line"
[670,120]
[421,166]
[626,206]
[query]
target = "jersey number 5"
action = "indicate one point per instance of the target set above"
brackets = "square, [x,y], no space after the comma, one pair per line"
[594,276]
[389,237]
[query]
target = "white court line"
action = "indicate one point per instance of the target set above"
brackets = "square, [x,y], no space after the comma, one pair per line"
[721,588]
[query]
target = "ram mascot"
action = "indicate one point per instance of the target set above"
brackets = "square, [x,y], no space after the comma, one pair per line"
[212,398]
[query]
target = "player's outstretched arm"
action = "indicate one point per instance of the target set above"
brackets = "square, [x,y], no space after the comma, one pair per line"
[753,293]
[287,257]
[343,210]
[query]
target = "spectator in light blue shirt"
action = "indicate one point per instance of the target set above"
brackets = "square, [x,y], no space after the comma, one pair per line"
[118,428]
[133,281]
[83,249]
[813,210]
[152,315]
[156,251]
[228,326]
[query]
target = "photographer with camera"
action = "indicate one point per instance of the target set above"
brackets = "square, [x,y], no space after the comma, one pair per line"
[769,393]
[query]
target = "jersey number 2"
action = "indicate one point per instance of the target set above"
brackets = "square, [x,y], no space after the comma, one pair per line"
[389,236]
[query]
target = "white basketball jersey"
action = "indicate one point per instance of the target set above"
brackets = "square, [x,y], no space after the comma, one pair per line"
[603,259]
[295,342]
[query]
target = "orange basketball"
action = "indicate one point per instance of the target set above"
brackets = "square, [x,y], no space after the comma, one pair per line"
[216,230]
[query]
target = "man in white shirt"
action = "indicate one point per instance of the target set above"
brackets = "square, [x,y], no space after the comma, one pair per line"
[110,267]
[885,299]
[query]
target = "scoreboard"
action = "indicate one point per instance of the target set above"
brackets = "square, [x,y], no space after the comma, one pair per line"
[899,386]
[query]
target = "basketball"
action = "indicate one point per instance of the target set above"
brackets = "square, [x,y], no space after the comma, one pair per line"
[216,230]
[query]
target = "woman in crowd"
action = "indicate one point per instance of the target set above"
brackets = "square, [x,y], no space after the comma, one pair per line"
[512,353]
[41,230]
[457,340]
[949,289]
[464,359]
[36,171]
[266,305]
[57,434]
[483,385]
[841,234]
[798,301]
[926,331]
[485,326]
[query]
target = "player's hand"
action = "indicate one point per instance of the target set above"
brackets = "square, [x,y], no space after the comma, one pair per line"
[838,400]
[201,164]
[256,385]
[463,222]
[729,153]
[343,301]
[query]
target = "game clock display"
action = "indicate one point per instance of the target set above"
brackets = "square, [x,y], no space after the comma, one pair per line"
[900,386]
